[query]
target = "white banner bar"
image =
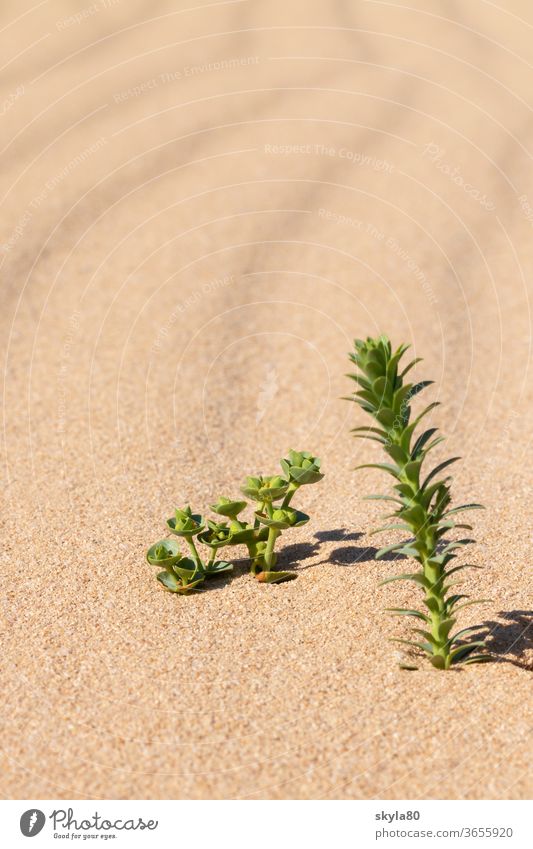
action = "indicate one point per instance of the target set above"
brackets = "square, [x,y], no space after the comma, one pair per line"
[267,825]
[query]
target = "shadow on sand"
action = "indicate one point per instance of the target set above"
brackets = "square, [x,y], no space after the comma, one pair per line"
[510,641]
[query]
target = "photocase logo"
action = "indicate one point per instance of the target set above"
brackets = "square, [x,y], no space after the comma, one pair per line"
[32,822]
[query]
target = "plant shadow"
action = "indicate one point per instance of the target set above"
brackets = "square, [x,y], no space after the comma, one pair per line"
[510,641]
[337,535]
[291,556]
[241,565]
[349,555]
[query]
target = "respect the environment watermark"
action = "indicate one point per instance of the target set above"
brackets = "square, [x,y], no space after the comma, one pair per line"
[46,189]
[167,77]
[390,241]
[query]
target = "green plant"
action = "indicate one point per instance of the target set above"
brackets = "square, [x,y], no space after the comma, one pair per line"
[422,503]
[179,574]
[185,574]
[270,520]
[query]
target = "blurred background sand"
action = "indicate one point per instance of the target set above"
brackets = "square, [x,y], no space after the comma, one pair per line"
[201,205]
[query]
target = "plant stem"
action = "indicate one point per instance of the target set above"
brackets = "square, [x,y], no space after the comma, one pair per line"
[261,510]
[434,594]
[290,492]
[211,558]
[252,552]
[194,552]
[273,534]
[426,546]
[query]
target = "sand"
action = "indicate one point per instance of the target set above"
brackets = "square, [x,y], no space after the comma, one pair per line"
[202,205]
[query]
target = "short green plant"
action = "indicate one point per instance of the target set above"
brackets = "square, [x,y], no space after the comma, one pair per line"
[184,574]
[422,502]
[271,519]
[179,574]
[273,514]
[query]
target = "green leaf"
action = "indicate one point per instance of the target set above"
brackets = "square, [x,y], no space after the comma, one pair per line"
[413,576]
[381,498]
[458,543]
[368,396]
[426,647]
[379,386]
[410,366]
[432,444]
[463,632]
[446,526]
[175,586]
[412,471]
[169,581]
[424,412]
[217,568]
[399,527]
[465,650]
[409,551]
[421,441]
[432,604]
[429,637]
[438,469]
[386,417]
[384,467]
[427,494]
[364,430]
[415,514]
[402,611]
[373,370]
[401,399]
[361,381]
[418,387]
[470,603]
[377,356]
[279,521]
[164,553]
[479,658]
[186,569]
[392,364]
[226,507]
[463,566]
[437,661]
[397,454]
[405,489]
[445,627]
[382,551]
[464,507]
[452,600]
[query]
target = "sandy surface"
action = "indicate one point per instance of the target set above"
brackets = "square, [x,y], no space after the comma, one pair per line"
[201,206]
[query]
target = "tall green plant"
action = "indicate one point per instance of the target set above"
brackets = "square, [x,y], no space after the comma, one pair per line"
[422,501]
